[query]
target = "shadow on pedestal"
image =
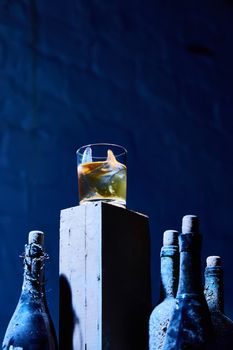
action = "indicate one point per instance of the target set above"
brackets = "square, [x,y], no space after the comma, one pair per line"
[68,321]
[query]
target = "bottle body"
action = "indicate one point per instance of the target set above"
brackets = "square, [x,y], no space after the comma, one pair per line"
[31,327]
[223,331]
[190,325]
[159,321]
[161,314]
[214,294]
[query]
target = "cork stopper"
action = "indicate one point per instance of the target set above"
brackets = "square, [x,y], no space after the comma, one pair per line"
[213,261]
[170,237]
[190,224]
[36,237]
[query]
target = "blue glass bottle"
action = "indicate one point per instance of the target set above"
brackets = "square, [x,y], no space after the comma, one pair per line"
[31,327]
[190,326]
[214,294]
[169,270]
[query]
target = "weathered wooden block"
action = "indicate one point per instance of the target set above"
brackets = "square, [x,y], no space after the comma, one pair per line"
[105,295]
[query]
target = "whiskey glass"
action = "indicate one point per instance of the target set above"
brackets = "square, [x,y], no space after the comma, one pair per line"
[102,173]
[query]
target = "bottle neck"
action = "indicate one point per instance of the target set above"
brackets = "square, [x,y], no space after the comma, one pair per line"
[214,288]
[32,283]
[169,271]
[33,280]
[190,281]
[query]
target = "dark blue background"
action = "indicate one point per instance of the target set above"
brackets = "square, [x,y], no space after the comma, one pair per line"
[153,76]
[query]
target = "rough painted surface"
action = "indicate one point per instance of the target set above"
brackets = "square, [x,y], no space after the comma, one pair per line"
[156,77]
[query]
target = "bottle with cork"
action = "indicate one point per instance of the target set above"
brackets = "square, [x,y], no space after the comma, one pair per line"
[169,270]
[190,326]
[214,294]
[31,326]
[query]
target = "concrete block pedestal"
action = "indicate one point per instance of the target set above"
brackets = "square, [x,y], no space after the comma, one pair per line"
[105,298]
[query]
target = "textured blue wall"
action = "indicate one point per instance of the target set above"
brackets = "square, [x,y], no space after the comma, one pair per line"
[154,76]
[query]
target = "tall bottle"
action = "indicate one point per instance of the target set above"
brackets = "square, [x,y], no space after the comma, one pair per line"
[214,294]
[169,270]
[190,325]
[31,327]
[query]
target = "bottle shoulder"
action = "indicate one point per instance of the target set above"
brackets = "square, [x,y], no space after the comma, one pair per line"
[158,323]
[221,321]
[192,306]
[30,323]
[223,330]
[162,312]
[190,323]
[166,304]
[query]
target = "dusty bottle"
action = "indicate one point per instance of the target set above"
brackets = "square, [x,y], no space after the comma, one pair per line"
[31,327]
[169,270]
[190,325]
[214,294]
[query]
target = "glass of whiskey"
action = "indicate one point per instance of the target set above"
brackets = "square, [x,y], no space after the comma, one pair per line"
[102,173]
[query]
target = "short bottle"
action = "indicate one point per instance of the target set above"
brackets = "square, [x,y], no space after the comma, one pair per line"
[31,327]
[214,294]
[190,325]
[169,270]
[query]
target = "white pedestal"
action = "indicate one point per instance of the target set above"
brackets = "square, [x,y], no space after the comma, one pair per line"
[105,298]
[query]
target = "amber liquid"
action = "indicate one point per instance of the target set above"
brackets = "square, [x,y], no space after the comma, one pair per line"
[104,181]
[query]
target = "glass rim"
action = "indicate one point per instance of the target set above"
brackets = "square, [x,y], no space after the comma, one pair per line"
[124,152]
